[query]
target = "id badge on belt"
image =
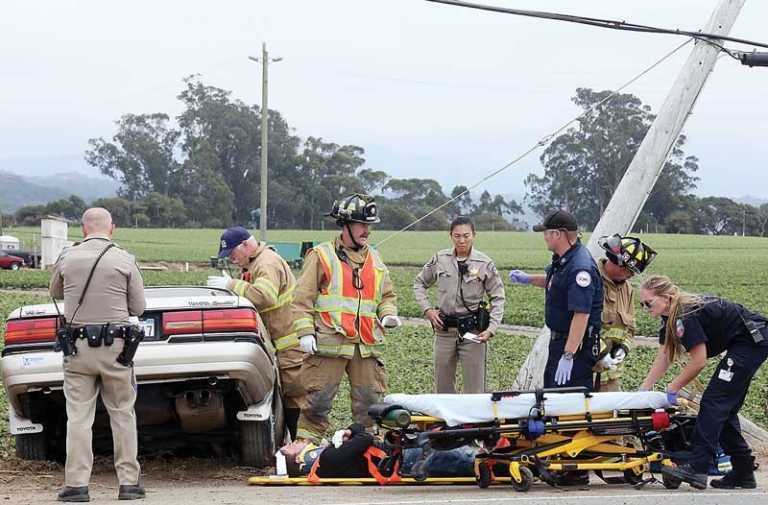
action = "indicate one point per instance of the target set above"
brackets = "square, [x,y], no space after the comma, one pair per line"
[726,374]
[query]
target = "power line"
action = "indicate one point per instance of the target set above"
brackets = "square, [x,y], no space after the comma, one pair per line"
[544,141]
[600,23]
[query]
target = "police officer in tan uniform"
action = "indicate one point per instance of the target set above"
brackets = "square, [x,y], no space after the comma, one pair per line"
[343,302]
[103,342]
[625,257]
[267,281]
[464,277]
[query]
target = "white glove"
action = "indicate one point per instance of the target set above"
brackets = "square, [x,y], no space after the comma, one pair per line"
[308,344]
[215,281]
[610,362]
[338,438]
[391,322]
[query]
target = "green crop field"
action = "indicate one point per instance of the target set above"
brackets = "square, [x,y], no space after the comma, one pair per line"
[734,267]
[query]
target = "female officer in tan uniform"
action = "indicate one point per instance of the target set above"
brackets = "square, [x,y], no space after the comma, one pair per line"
[463,276]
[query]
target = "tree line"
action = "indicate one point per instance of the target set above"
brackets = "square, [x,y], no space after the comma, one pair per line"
[201,170]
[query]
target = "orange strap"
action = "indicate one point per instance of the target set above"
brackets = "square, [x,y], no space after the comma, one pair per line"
[312,478]
[374,452]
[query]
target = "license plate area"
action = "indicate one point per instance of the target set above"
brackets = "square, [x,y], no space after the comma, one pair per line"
[149,325]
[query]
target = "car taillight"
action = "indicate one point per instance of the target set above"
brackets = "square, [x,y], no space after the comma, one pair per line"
[216,321]
[23,331]
[188,321]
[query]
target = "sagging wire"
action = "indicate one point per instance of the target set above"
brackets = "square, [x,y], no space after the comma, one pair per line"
[600,23]
[544,141]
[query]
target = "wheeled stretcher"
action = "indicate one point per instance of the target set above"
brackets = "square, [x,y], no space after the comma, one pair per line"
[550,434]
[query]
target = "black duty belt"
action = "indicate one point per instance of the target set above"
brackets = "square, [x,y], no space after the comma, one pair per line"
[92,330]
[454,321]
[557,335]
[101,334]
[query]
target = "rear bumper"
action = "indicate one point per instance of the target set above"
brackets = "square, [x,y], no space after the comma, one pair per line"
[245,362]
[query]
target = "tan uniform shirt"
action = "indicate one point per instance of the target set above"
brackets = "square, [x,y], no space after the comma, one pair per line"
[312,280]
[481,278]
[269,284]
[618,315]
[116,290]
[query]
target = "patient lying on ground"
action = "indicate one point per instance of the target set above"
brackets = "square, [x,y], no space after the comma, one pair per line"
[349,459]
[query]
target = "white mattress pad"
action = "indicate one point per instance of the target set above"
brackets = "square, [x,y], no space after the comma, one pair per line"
[478,408]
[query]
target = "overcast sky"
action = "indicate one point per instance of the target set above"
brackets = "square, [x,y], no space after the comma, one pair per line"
[428,90]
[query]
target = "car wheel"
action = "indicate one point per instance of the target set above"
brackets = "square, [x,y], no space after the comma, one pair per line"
[32,446]
[15,266]
[259,440]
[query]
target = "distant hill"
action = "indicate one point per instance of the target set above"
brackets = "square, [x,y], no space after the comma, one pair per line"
[17,191]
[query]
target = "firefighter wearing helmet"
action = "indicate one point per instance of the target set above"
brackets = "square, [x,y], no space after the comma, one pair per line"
[343,303]
[625,257]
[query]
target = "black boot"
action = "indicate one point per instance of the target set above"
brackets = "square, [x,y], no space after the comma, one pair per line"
[742,475]
[687,473]
[292,421]
[74,494]
[127,492]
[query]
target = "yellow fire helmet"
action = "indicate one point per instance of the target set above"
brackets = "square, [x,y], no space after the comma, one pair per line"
[627,252]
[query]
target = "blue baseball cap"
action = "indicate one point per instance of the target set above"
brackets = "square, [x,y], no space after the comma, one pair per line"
[231,238]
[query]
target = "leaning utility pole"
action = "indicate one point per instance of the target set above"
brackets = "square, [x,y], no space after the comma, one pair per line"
[265,61]
[638,181]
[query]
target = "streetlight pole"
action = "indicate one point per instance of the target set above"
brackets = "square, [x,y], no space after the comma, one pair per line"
[265,61]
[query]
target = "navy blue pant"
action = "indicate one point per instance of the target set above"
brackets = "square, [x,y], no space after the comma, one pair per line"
[718,422]
[583,360]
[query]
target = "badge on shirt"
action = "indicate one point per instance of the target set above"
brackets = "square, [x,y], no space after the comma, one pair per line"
[583,279]
[679,328]
[727,374]
[474,271]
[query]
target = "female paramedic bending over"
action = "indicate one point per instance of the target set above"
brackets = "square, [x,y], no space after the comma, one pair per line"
[706,326]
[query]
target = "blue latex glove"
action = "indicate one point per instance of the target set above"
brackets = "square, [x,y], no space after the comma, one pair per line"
[563,373]
[672,397]
[519,277]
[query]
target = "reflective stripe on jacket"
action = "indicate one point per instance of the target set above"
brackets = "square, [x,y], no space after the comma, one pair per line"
[350,311]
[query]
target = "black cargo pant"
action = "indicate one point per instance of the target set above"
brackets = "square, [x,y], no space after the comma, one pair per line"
[583,361]
[718,421]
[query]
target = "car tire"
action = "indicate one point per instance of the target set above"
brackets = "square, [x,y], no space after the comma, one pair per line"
[32,446]
[15,266]
[259,440]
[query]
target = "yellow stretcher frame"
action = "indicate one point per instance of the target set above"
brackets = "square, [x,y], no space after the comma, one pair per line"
[608,453]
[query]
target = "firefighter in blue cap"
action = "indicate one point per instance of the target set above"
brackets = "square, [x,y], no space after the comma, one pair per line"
[267,281]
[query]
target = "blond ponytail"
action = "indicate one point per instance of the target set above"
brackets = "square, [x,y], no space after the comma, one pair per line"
[681,303]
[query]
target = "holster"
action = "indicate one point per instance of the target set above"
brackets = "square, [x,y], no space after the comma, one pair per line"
[132,336]
[64,342]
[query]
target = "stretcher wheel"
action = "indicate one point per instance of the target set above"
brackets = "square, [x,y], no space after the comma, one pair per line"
[526,482]
[483,476]
[670,482]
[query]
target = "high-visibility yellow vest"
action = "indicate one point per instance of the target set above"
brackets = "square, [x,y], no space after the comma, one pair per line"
[350,311]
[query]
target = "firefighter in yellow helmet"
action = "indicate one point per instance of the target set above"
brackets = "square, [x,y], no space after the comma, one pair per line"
[343,302]
[625,257]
